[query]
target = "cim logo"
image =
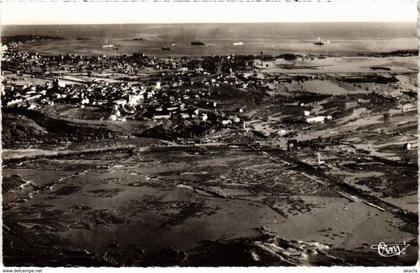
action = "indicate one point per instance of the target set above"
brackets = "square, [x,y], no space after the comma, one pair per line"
[390,250]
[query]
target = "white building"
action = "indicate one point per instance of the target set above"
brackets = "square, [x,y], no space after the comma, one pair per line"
[134,100]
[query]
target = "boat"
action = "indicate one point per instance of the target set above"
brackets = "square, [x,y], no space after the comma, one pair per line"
[321,42]
[197,43]
[238,43]
[166,48]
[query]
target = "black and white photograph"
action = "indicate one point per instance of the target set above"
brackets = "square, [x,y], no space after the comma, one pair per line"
[209,134]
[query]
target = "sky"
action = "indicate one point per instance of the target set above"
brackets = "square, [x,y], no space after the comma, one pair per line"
[206,11]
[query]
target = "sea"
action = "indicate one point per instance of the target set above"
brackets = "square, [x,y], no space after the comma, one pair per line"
[220,39]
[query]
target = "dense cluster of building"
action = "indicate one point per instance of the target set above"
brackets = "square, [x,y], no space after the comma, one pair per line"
[176,89]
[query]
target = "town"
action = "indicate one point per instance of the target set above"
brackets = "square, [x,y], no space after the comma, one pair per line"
[184,92]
